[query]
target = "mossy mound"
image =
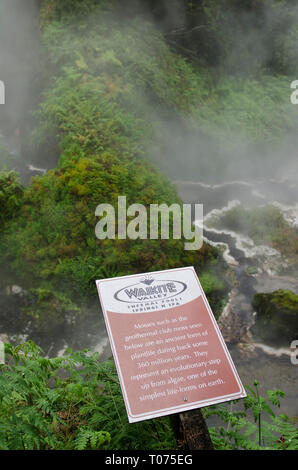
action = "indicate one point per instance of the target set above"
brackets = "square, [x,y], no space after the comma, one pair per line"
[277,316]
[53,239]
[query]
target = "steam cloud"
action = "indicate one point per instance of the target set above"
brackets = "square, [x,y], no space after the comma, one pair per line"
[186,153]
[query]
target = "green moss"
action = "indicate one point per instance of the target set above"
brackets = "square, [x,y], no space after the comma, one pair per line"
[54,236]
[286,300]
[210,282]
[277,316]
[11,196]
[216,286]
[252,270]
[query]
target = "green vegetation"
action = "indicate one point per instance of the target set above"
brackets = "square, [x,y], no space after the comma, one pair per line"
[248,108]
[260,20]
[252,270]
[249,51]
[71,402]
[110,79]
[11,196]
[214,283]
[47,312]
[240,432]
[277,316]
[114,81]
[105,74]
[75,402]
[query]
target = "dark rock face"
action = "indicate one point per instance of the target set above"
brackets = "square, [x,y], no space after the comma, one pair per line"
[277,316]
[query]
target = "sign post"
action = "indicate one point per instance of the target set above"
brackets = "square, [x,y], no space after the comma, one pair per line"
[168,350]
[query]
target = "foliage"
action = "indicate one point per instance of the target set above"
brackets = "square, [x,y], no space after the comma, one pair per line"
[244,37]
[140,71]
[240,432]
[248,108]
[47,311]
[285,53]
[107,78]
[69,10]
[75,402]
[279,309]
[97,105]
[112,85]
[11,196]
[70,402]
[215,284]
[59,219]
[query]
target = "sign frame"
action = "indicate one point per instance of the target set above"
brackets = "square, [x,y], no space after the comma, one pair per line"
[184,406]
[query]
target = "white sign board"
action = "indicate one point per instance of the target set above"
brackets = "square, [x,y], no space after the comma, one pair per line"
[168,349]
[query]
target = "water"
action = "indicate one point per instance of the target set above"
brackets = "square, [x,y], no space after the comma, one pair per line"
[254,360]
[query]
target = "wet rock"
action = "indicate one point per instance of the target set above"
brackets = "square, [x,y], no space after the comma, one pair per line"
[230,326]
[247,350]
[277,316]
[14,290]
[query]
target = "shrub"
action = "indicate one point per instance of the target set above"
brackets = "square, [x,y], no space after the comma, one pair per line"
[11,196]
[72,402]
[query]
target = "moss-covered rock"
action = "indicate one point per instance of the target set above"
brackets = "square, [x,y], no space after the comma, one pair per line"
[277,316]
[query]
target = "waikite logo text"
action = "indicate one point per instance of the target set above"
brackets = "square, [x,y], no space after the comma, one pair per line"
[162,222]
[150,289]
